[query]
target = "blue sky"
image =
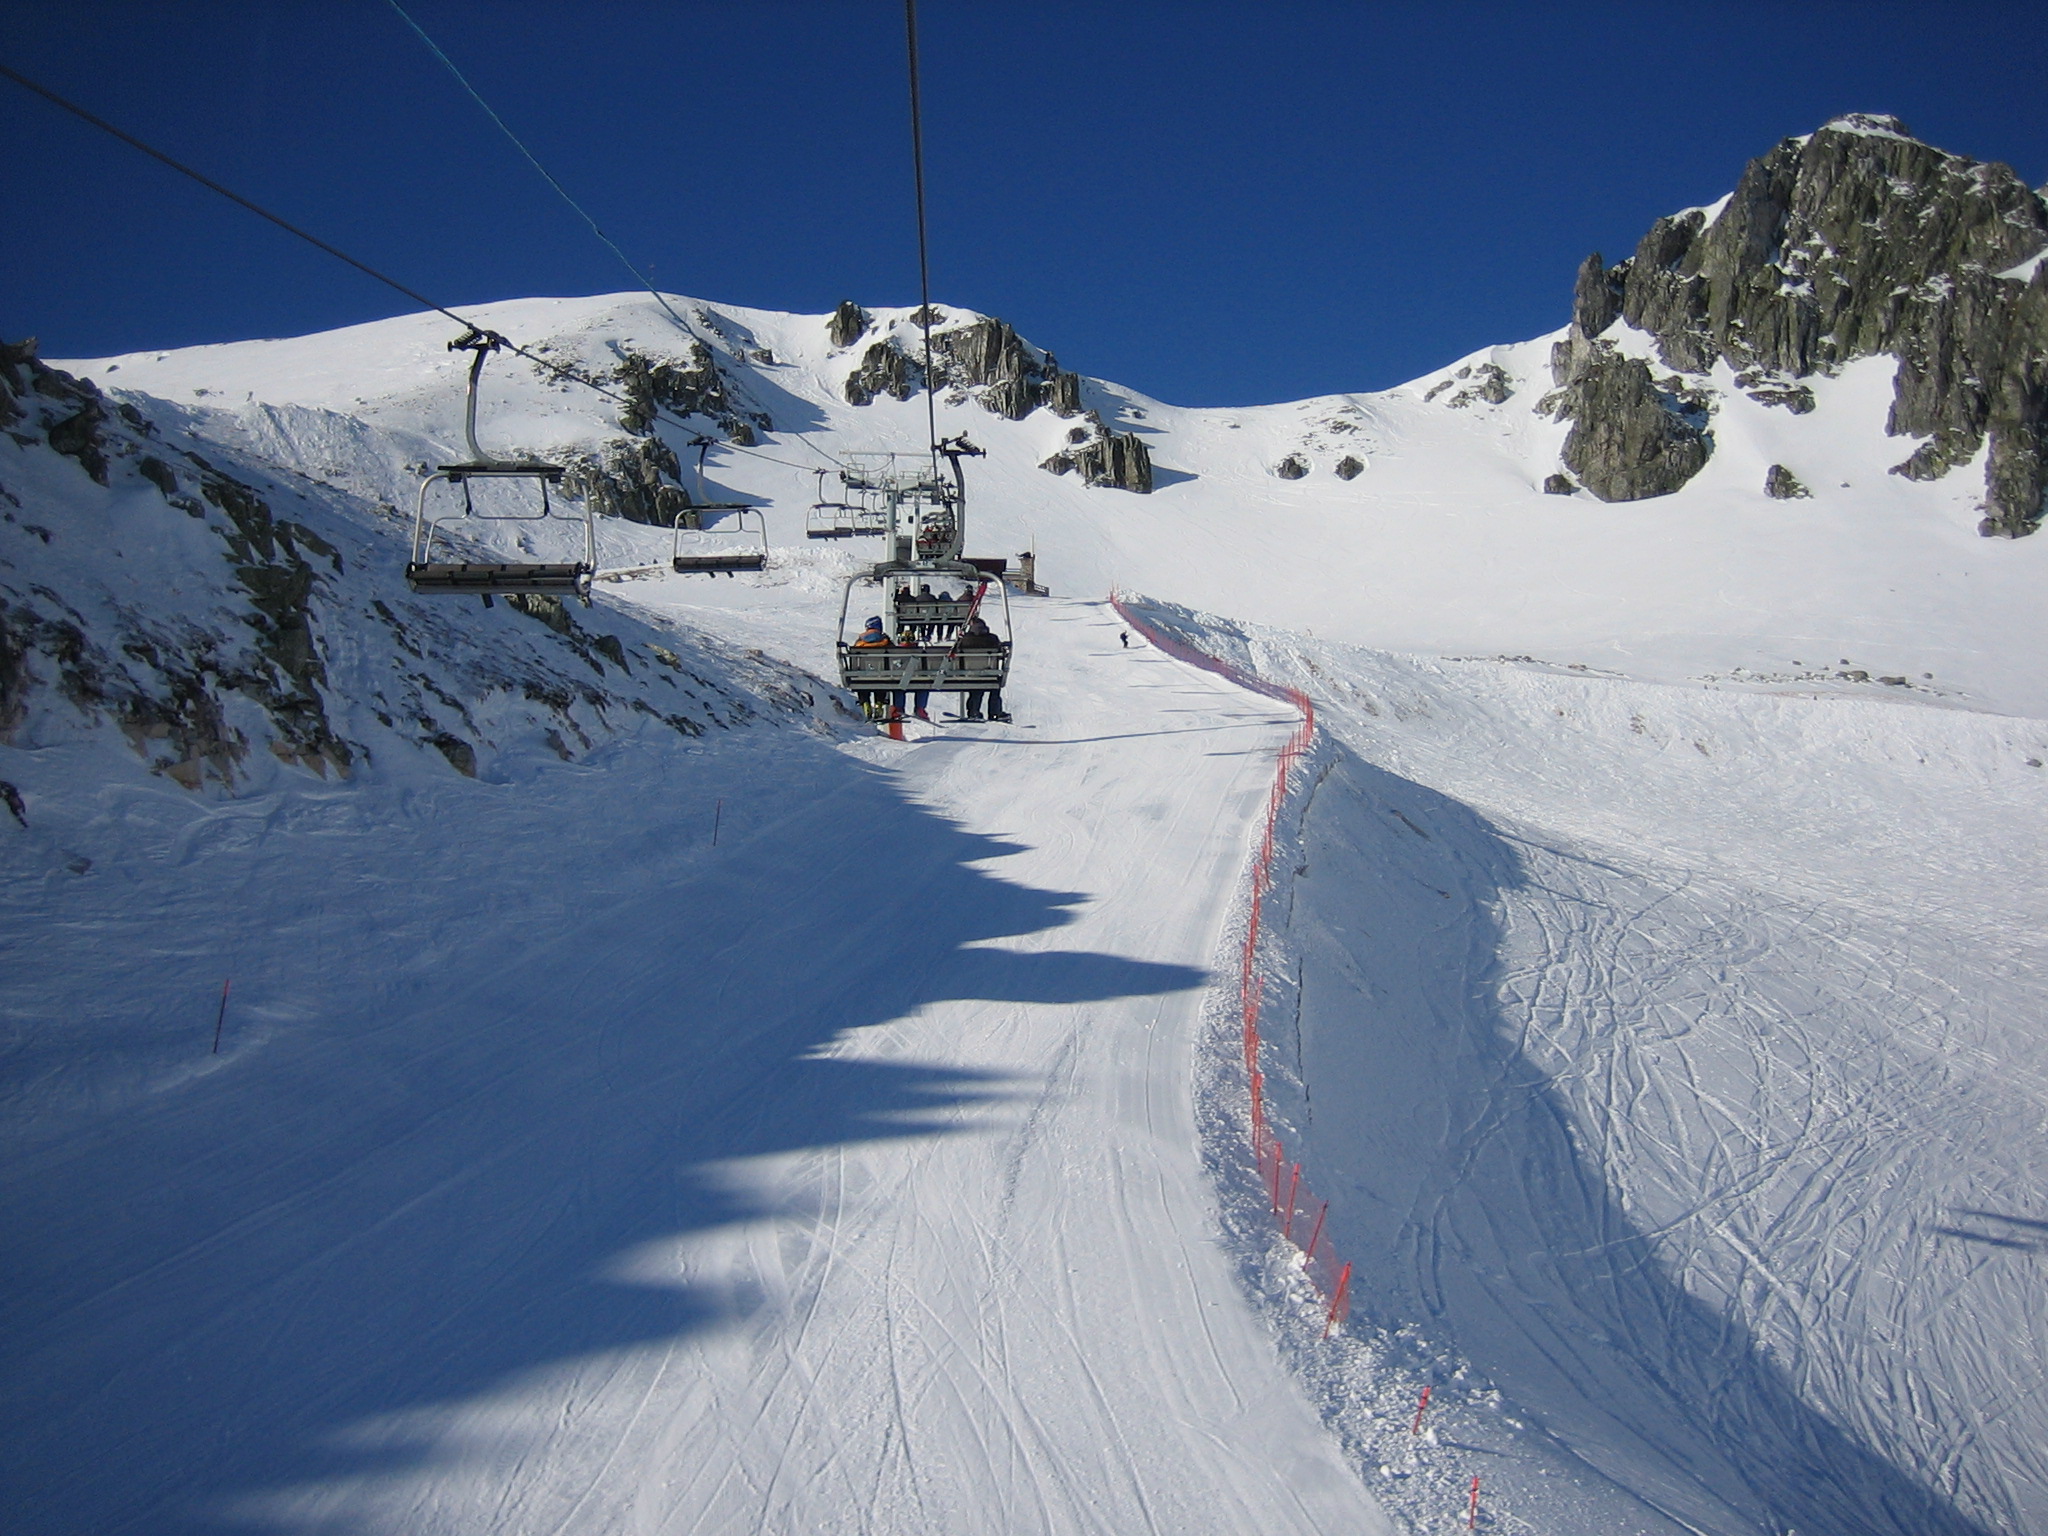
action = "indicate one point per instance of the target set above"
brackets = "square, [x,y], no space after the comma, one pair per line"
[1217,204]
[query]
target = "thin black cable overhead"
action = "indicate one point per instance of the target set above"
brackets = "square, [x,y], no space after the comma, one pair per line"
[924,260]
[563,192]
[555,369]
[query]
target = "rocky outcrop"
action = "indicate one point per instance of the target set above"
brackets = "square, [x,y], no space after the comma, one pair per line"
[693,388]
[883,370]
[1631,436]
[1293,467]
[848,324]
[1488,382]
[168,685]
[984,359]
[1780,484]
[630,477]
[991,362]
[1559,485]
[1117,460]
[1350,467]
[1858,241]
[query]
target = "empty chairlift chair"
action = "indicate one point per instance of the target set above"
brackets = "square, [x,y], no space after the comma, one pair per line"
[438,513]
[721,551]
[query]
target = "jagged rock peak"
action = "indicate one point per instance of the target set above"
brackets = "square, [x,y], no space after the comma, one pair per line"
[848,324]
[1854,241]
[983,357]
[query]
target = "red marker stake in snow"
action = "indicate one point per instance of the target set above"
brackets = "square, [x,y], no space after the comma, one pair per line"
[220,1019]
[1420,1409]
[1316,1236]
[1339,1302]
[1472,1514]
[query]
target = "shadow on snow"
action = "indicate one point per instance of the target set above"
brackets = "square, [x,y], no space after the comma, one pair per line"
[416,1195]
[1460,1190]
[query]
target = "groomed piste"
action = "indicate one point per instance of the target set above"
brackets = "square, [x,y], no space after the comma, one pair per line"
[648,1099]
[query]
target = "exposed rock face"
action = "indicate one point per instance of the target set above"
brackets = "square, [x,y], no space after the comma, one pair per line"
[167,685]
[984,358]
[991,361]
[1117,460]
[1596,298]
[1489,382]
[1293,467]
[1559,485]
[629,477]
[695,388]
[1630,438]
[1350,468]
[884,370]
[1782,485]
[1858,241]
[848,324]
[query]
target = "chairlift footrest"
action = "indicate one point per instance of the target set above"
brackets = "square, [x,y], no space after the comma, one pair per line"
[714,564]
[476,576]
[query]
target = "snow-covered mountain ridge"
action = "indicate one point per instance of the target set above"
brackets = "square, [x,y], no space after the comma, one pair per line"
[646,1103]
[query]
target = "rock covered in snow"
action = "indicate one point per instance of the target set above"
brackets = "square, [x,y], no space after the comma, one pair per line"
[166,594]
[1780,484]
[1115,460]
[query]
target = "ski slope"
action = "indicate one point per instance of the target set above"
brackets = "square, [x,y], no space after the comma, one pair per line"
[836,1178]
[788,1129]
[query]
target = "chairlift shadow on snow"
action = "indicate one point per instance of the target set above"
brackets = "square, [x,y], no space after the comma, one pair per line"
[1460,1189]
[230,1297]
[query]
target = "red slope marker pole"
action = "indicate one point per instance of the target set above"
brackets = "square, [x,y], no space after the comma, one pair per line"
[1472,1514]
[1420,1409]
[1315,1236]
[220,1019]
[1339,1300]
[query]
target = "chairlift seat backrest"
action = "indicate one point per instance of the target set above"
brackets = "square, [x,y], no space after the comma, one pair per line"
[925,668]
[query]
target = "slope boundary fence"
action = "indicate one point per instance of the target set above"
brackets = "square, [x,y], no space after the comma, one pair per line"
[1302,1218]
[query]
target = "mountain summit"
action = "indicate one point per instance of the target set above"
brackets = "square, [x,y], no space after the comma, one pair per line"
[1854,241]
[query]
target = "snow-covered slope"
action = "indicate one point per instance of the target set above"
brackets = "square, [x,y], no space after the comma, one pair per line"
[741,1123]
[1671,1060]
[1444,543]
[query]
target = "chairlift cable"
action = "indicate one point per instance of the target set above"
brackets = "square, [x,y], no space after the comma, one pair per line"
[545,175]
[563,192]
[924,262]
[558,370]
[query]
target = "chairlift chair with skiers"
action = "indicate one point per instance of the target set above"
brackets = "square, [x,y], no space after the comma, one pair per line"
[423,573]
[930,650]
